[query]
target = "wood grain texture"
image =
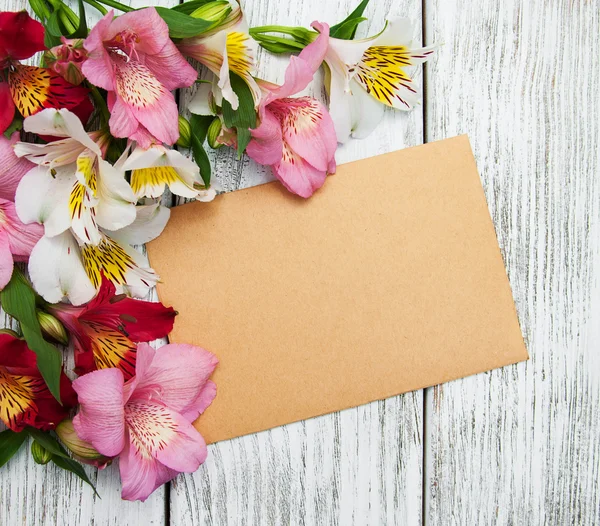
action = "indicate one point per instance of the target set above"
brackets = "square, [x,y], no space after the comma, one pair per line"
[360,466]
[521,445]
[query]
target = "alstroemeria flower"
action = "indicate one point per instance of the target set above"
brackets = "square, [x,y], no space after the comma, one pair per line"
[72,186]
[296,135]
[366,75]
[133,58]
[16,240]
[227,48]
[24,397]
[12,168]
[30,89]
[147,421]
[67,59]
[105,331]
[157,167]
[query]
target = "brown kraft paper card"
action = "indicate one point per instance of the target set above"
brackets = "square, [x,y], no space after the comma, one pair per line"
[387,280]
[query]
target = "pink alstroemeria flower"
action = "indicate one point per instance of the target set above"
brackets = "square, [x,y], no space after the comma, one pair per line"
[133,58]
[16,240]
[296,136]
[12,168]
[147,421]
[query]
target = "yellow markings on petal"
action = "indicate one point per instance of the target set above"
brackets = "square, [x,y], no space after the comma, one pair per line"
[239,54]
[150,182]
[111,348]
[76,200]
[86,166]
[29,88]
[381,73]
[107,257]
[17,397]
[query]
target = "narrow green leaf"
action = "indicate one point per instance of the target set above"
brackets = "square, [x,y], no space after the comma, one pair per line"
[199,125]
[82,29]
[53,25]
[347,29]
[74,467]
[15,125]
[189,7]
[245,116]
[182,25]
[278,44]
[19,301]
[10,443]
[341,30]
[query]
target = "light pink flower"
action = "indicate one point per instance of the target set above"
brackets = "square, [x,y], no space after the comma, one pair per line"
[12,168]
[296,136]
[16,240]
[147,421]
[133,58]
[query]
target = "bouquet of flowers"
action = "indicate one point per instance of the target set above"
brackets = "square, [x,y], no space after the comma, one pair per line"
[91,141]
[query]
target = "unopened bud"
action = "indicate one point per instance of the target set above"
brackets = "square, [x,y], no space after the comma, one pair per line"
[80,448]
[185,133]
[212,11]
[214,131]
[39,453]
[52,328]
[67,59]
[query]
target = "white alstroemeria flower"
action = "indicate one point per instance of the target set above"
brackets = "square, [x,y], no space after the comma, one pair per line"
[364,76]
[63,268]
[228,47]
[72,186]
[157,167]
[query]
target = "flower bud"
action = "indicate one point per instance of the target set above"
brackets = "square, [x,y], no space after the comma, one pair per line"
[67,59]
[185,133]
[52,328]
[82,450]
[39,453]
[212,11]
[214,131]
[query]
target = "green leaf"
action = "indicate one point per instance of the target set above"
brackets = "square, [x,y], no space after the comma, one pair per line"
[278,44]
[40,9]
[346,31]
[15,125]
[19,301]
[189,7]
[10,443]
[82,29]
[59,455]
[245,116]
[199,127]
[182,25]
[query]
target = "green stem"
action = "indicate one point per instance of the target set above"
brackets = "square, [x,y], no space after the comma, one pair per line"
[101,105]
[97,5]
[117,5]
[286,30]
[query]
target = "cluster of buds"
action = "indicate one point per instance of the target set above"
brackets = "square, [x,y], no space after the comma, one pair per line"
[67,59]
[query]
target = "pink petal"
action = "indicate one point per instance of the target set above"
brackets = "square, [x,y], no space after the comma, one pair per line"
[176,377]
[308,129]
[143,360]
[297,175]
[266,146]
[98,67]
[314,53]
[152,32]
[202,402]
[101,417]
[170,67]
[138,473]
[22,238]
[6,260]
[122,120]
[12,168]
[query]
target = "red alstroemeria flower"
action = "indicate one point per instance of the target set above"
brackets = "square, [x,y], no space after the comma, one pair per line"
[24,396]
[105,330]
[28,88]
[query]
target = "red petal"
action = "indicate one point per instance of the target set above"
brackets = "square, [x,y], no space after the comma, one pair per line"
[20,36]
[7,107]
[15,353]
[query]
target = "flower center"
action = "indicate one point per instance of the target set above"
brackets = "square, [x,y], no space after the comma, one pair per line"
[124,44]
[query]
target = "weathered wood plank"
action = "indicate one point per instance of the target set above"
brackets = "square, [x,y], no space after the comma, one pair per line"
[31,494]
[522,445]
[360,466]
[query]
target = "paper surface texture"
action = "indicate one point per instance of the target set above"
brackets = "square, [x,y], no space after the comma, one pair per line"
[389,279]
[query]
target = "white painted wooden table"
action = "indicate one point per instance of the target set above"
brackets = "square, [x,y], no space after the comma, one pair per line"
[519,445]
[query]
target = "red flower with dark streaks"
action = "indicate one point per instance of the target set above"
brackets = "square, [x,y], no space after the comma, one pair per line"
[29,89]
[105,330]
[24,397]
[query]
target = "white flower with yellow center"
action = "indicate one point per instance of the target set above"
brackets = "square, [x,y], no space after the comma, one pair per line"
[227,48]
[72,186]
[365,76]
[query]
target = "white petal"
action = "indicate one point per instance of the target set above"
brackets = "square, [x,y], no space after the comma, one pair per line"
[340,100]
[367,112]
[116,201]
[148,225]
[145,158]
[60,123]
[225,81]
[397,32]
[56,270]
[42,198]
[200,103]
[51,155]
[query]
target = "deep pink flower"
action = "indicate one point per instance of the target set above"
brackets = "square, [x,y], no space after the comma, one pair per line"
[16,240]
[147,421]
[12,168]
[67,59]
[296,136]
[133,58]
